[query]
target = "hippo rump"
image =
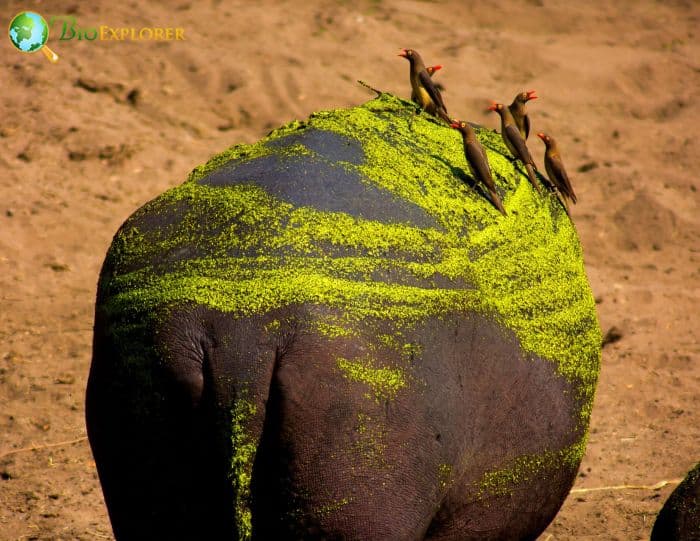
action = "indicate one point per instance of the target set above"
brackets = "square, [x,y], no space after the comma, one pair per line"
[333,334]
[679,519]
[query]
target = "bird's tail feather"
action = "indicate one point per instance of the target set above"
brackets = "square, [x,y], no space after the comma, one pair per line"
[443,115]
[498,204]
[533,178]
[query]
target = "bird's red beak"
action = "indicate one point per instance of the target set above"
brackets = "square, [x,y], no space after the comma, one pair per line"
[541,135]
[492,107]
[403,53]
[531,95]
[438,67]
[454,124]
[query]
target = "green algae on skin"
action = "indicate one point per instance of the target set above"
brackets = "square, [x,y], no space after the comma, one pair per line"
[371,441]
[283,287]
[444,476]
[273,326]
[331,330]
[525,468]
[410,352]
[384,382]
[244,449]
[333,507]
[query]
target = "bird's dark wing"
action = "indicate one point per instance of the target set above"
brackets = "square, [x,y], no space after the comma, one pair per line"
[526,125]
[431,89]
[479,164]
[548,181]
[560,175]
[513,135]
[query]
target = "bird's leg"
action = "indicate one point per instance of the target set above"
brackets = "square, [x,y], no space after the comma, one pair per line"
[416,112]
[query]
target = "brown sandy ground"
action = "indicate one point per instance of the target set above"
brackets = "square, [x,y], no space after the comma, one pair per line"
[84,142]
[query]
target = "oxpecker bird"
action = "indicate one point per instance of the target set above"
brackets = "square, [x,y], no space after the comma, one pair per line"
[519,112]
[555,168]
[478,163]
[515,142]
[423,89]
[431,70]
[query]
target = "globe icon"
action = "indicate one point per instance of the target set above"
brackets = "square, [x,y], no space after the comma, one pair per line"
[29,33]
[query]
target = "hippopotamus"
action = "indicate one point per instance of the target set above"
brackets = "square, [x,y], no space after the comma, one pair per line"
[333,334]
[679,518]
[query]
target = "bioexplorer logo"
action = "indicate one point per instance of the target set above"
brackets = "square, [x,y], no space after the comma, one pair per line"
[29,32]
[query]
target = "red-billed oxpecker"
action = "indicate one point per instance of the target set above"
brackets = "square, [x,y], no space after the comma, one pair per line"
[423,89]
[519,111]
[515,142]
[477,161]
[555,168]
